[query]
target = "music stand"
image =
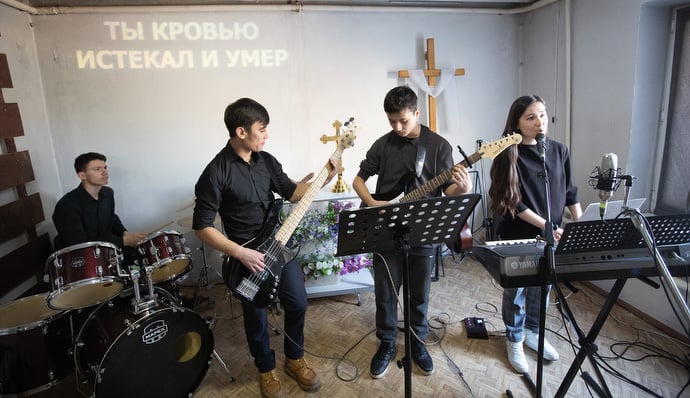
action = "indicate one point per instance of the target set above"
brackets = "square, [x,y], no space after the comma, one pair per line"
[401,226]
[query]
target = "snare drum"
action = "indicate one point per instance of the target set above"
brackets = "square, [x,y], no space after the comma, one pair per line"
[163,351]
[35,343]
[84,275]
[166,253]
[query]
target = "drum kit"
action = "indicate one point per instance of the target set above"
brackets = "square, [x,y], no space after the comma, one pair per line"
[99,317]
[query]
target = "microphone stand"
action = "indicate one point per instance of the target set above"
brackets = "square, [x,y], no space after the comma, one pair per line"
[547,273]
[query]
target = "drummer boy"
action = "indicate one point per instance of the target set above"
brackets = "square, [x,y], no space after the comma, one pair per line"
[87,213]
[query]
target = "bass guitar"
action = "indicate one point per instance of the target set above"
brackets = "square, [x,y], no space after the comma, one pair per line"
[488,150]
[260,288]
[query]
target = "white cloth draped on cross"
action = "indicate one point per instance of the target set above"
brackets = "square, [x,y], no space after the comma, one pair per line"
[417,77]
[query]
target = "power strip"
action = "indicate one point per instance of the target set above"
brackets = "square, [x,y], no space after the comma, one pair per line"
[476,329]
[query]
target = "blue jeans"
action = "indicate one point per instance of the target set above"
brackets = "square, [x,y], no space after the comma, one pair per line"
[293,299]
[386,303]
[521,310]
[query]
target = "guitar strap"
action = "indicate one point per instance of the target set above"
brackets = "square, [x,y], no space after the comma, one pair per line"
[271,171]
[269,166]
[421,155]
[419,163]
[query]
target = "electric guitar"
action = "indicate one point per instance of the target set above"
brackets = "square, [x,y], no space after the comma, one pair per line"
[489,150]
[260,288]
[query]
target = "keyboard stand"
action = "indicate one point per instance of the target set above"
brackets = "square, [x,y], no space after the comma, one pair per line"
[622,233]
[588,348]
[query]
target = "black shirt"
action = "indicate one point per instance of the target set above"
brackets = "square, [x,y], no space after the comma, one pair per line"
[239,191]
[394,158]
[530,174]
[80,218]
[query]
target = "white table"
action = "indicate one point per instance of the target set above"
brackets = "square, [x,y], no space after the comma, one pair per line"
[354,283]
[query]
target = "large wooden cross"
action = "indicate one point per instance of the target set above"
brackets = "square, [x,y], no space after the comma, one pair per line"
[431,73]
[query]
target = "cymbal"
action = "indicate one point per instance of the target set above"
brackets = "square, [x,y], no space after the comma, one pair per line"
[186,222]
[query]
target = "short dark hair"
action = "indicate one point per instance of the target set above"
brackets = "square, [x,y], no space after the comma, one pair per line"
[400,99]
[243,113]
[83,160]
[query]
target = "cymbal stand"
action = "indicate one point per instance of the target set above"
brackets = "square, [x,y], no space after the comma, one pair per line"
[212,322]
[204,281]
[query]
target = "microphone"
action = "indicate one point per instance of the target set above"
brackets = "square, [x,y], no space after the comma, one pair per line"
[541,146]
[606,180]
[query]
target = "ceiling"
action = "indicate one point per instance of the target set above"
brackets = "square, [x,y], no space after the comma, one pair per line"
[488,4]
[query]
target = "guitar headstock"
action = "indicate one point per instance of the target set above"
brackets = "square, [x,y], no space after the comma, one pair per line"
[492,149]
[347,136]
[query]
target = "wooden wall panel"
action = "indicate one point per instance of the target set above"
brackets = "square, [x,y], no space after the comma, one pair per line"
[25,262]
[10,121]
[5,78]
[20,164]
[19,216]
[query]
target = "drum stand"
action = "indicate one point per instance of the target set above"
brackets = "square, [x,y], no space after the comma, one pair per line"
[211,323]
[204,281]
[201,282]
[138,305]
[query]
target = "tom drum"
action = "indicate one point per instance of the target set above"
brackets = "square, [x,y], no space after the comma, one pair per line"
[166,253]
[83,275]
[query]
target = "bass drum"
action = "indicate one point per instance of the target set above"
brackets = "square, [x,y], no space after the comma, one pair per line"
[164,351]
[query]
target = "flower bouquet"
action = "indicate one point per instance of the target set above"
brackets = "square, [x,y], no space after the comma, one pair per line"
[317,234]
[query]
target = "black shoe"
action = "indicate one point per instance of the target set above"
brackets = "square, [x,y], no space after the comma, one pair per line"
[421,357]
[383,357]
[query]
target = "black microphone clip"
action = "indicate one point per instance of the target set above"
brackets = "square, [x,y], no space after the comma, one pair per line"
[541,146]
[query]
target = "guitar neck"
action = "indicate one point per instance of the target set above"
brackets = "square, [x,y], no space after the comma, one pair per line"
[298,210]
[428,187]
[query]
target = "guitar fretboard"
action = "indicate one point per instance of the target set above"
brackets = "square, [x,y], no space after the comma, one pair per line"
[285,231]
[428,187]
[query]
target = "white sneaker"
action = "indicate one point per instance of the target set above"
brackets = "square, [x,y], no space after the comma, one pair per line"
[532,341]
[516,356]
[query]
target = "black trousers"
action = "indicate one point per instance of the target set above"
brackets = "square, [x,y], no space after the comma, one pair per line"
[293,300]
[421,261]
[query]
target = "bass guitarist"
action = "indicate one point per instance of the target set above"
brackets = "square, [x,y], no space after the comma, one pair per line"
[405,158]
[239,184]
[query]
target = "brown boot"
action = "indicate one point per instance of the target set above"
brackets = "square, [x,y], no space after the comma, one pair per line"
[270,385]
[299,370]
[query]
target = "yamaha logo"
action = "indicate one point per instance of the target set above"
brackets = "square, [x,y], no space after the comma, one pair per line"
[523,264]
[154,332]
[78,262]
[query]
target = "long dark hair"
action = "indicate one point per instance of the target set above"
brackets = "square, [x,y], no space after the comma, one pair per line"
[504,193]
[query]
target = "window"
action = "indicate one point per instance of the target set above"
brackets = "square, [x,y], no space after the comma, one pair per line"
[674,184]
